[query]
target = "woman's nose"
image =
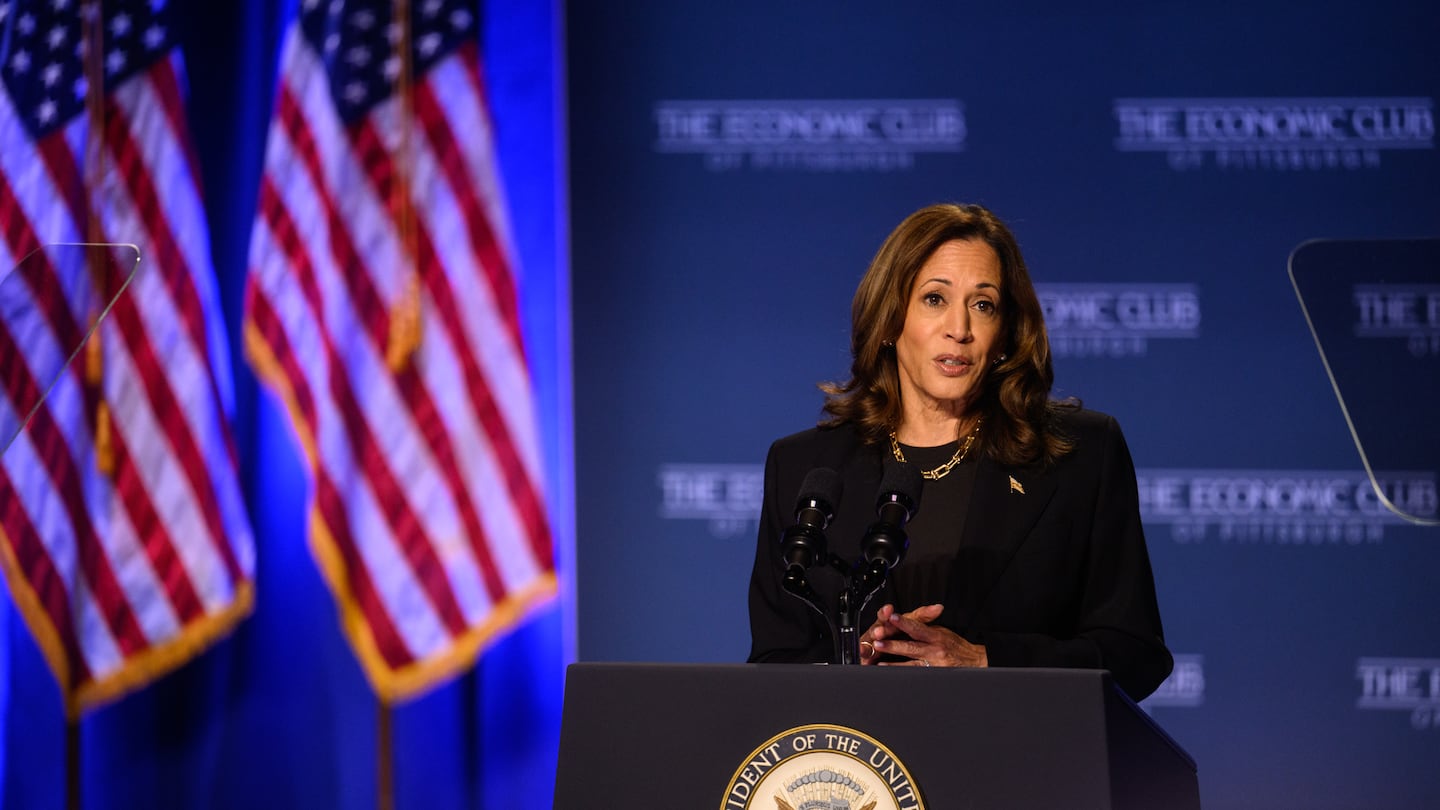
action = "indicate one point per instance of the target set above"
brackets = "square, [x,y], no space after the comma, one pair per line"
[958,328]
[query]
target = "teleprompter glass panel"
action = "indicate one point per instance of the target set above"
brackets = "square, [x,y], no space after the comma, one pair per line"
[50,306]
[1374,310]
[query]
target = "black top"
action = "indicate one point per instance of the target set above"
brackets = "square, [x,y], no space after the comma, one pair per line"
[1050,567]
[934,531]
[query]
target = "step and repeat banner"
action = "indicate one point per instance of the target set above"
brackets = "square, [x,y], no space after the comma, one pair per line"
[735,166]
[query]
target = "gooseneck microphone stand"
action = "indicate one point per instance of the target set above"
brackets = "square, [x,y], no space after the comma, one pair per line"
[863,580]
[882,548]
[803,544]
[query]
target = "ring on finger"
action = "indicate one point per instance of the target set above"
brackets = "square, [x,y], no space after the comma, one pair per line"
[867,649]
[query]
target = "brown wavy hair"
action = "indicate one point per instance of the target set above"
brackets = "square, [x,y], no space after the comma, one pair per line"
[1014,397]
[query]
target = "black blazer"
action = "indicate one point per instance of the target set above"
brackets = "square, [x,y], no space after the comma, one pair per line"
[1054,576]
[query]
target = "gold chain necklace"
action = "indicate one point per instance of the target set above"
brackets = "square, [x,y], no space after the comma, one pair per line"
[944,469]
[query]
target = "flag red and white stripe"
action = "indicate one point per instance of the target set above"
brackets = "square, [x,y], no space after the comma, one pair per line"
[427,515]
[121,575]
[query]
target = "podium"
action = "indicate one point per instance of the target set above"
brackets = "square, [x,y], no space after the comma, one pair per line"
[679,735]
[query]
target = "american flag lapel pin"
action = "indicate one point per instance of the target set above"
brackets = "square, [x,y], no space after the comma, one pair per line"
[1015,486]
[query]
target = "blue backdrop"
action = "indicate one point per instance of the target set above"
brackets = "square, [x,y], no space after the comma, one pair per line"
[279,714]
[735,166]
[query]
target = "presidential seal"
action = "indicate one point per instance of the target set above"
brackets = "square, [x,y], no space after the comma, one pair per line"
[822,767]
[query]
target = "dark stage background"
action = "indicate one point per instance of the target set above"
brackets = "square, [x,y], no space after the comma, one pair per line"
[733,168]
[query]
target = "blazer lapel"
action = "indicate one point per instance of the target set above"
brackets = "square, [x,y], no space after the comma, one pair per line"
[1004,506]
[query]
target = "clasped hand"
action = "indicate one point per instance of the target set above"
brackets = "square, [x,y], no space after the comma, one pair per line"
[914,640]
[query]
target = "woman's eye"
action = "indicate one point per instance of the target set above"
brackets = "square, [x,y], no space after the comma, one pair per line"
[985,306]
[933,299]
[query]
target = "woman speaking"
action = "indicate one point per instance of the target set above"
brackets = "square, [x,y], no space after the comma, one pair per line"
[1028,551]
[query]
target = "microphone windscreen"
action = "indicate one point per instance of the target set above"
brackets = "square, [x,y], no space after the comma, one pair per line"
[904,480]
[821,484]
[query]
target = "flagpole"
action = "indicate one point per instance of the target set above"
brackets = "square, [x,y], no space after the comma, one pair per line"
[403,338]
[92,35]
[72,761]
[384,756]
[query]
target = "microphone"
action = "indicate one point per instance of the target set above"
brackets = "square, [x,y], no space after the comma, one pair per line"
[899,499]
[803,544]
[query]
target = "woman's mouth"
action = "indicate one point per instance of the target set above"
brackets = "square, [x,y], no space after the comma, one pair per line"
[951,365]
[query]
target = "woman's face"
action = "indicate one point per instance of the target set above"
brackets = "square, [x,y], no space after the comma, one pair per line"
[952,328]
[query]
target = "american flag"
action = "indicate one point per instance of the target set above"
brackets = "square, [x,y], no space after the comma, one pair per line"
[382,308]
[125,540]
